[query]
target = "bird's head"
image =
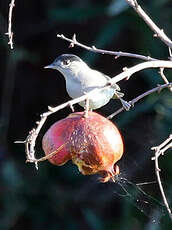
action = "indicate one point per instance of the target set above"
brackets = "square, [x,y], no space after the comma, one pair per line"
[67,64]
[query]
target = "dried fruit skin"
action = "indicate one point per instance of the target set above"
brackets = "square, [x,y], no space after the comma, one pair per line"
[93,143]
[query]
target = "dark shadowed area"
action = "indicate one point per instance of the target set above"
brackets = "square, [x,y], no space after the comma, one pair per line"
[60,197]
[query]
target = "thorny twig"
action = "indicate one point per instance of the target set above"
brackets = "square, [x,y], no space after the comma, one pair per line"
[132,102]
[161,72]
[145,65]
[158,32]
[117,54]
[73,42]
[170,52]
[10,33]
[160,150]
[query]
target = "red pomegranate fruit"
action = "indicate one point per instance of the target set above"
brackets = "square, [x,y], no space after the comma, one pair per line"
[93,143]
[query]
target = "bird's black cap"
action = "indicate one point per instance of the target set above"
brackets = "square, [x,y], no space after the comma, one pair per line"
[63,58]
[70,57]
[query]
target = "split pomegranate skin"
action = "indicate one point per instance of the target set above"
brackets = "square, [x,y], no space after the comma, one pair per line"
[92,142]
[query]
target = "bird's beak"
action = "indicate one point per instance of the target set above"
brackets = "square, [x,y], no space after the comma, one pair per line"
[51,66]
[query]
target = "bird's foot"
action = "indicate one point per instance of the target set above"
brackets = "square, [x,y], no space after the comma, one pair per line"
[125,104]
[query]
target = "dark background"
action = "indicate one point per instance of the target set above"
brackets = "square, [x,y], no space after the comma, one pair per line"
[60,197]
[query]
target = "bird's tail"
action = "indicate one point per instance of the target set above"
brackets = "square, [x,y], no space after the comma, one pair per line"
[117,94]
[120,94]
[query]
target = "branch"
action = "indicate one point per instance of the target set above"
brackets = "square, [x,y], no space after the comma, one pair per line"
[117,54]
[73,42]
[160,150]
[45,157]
[158,32]
[161,72]
[33,134]
[132,102]
[10,33]
[145,65]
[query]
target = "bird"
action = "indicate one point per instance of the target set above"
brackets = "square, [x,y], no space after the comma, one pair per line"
[81,79]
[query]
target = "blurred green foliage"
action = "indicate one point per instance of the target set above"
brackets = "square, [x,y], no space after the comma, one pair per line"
[60,197]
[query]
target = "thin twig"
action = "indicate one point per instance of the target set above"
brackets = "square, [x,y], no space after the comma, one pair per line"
[170,53]
[47,156]
[10,33]
[164,77]
[132,102]
[160,150]
[145,65]
[151,62]
[158,32]
[117,54]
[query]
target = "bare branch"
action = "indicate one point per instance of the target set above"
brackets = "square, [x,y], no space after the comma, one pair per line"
[47,156]
[145,65]
[160,150]
[132,102]
[164,77]
[10,33]
[170,53]
[117,54]
[158,32]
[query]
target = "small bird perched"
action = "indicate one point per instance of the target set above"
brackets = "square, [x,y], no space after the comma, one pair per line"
[81,79]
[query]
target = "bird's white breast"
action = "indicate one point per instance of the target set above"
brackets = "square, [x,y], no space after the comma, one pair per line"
[83,81]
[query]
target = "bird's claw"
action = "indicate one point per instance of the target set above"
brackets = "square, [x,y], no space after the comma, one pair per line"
[125,104]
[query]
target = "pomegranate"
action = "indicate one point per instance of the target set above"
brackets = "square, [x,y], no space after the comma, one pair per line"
[93,143]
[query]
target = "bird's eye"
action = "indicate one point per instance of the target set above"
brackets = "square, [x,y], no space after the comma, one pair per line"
[66,62]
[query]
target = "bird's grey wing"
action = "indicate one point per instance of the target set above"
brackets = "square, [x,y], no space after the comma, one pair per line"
[115,86]
[117,89]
